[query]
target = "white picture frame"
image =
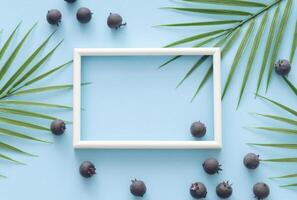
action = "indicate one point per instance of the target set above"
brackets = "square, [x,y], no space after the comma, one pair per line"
[216,143]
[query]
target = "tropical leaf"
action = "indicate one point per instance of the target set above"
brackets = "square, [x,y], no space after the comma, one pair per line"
[294,44]
[8,41]
[285,176]
[209,23]
[42,89]
[278,39]
[291,86]
[35,67]
[283,146]
[239,53]
[196,37]
[278,130]
[230,3]
[278,118]
[15,52]
[38,104]
[15,134]
[14,149]
[22,124]
[289,160]
[289,185]
[10,159]
[286,108]
[27,62]
[252,56]
[211,11]
[268,46]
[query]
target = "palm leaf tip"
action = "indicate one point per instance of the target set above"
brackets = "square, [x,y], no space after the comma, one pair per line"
[230,3]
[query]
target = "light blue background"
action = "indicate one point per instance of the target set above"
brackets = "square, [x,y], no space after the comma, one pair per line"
[167,173]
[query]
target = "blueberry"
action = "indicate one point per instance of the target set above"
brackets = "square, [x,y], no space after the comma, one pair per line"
[282,67]
[58,127]
[198,129]
[115,21]
[198,190]
[84,15]
[138,188]
[211,166]
[224,190]
[54,17]
[251,161]
[87,169]
[261,190]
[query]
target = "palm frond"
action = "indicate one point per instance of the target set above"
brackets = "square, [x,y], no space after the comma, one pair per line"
[279,118]
[8,41]
[281,160]
[278,39]
[209,23]
[239,53]
[211,11]
[18,135]
[289,185]
[268,46]
[15,52]
[23,124]
[283,146]
[285,176]
[2,156]
[277,130]
[230,3]
[294,44]
[14,149]
[291,86]
[252,56]
[37,104]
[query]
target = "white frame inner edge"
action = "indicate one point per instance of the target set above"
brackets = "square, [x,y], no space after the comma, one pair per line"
[143,144]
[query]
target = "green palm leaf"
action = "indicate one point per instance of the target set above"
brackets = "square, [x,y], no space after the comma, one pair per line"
[8,41]
[278,118]
[14,149]
[285,176]
[196,37]
[15,52]
[289,185]
[211,11]
[224,50]
[36,66]
[283,146]
[294,44]
[239,53]
[278,130]
[230,2]
[25,64]
[252,56]
[289,160]
[26,113]
[42,89]
[38,104]
[291,86]
[278,39]
[15,134]
[209,23]
[286,108]
[22,124]
[10,159]
[268,46]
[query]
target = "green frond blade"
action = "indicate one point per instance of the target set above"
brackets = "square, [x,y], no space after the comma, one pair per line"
[268,47]
[286,108]
[278,39]
[10,159]
[27,62]
[196,37]
[278,130]
[15,52]
[14,149]
[294,44]
[36,66]
[291,86]
[285,176]
[224,50]
[278,118]
[22,124]
[193,68]
[289,185]
[46,74]
[281,160]
[252,56]
[238,55]
[230,3]
[15,134]
[8,41]
[209,23]
[42,89]
[169,61]
[283,146]
[38,104]
[211,11]
[26,113]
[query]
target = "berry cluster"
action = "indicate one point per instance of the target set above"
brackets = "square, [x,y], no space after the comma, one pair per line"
[84,15]
[197,190]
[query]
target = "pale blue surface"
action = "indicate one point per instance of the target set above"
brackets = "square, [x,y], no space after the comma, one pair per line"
[168,174]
